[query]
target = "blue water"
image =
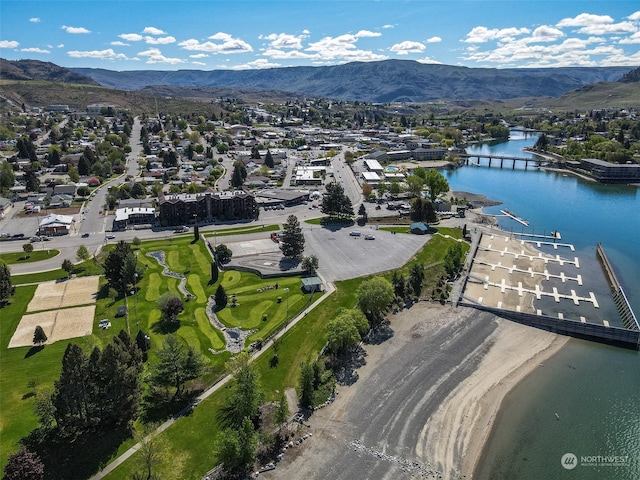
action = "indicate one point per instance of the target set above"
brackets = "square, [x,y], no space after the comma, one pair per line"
[594,388]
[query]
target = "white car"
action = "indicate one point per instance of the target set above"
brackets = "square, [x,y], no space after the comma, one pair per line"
[369,237]
[104,324]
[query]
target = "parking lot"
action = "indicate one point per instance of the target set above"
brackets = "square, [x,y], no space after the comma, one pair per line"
[343,256]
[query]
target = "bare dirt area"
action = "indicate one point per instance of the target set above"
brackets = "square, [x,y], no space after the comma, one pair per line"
[423,402]
[57,325]
[68,293]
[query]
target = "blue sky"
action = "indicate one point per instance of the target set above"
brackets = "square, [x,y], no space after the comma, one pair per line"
[243,34]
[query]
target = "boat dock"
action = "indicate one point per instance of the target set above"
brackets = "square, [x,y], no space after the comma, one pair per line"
[513,216]
[510,278]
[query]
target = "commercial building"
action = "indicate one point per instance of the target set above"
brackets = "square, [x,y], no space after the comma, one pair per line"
[607,172]
[179,209]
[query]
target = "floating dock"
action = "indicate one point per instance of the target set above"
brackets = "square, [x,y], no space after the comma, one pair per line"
[513,216]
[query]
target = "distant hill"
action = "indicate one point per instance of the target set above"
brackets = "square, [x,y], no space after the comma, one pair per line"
[631,77]
[385,81]
[37,70]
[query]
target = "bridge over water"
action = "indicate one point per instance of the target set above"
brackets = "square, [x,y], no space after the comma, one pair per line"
[501,159]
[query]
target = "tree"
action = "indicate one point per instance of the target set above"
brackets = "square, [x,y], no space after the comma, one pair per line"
[306,383]
[453,258]
[246,396]
[221,297]
[24,465]
[152,454]
[223,253]
[310,264]
[398,284]
[83,191]
[237,448]
[67,266]
[7,177]
[374,299]
[171,306]
[121,267]
[362,211]
[176,365]
[367,189]
[342,334]
[136,241]
[292,238]
[414,185]
[268,159]
[239,174]
[416,277]
[28,248]
[39,337]
[436,184]
[6,287]
[82,253]
[334,201]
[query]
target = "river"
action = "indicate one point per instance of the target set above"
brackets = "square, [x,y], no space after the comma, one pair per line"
[585,400]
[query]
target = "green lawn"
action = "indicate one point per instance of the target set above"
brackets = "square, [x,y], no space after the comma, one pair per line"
[192,438]
[35,256]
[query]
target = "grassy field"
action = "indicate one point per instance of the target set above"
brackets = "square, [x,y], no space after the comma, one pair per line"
[192,438]
[20,365]
[35,256]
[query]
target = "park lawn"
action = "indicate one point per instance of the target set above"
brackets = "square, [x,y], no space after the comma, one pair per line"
[18,367]
[34,256]
[193,437]
[85,269]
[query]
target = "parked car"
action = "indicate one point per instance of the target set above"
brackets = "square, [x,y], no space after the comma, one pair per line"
[369,237]
[110,237]
[17,235]
[354,234]
[85,235]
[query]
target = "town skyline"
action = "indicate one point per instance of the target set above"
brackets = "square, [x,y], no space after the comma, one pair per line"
[142,35]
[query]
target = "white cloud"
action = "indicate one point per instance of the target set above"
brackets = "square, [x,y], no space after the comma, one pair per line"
[342,48]
[388,26]
[34,20]
[159,40]
[482,34]
[118,43]
[545,33]
[107,54]
[154,55]
[34,50]
[153,31]
[633,39]
[634,16]
[227,44]
[367,33]
[131,37]
[202,64]
[585,20]
[258,64]
[9,44]
[199,55]
[75,30]
[60,45]
[286,55]
[428,60]
[609,29]
[284,40]
[406,47]
[434,40]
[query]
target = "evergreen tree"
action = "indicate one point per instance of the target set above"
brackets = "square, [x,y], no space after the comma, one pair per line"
[416,277]
[292,238]
[176,365]
[334,201]
[39,337]
[121,267]
[6,287]
[306,383]
[221,297]
[70,396]
[239,174]
[246,396]
[268,159]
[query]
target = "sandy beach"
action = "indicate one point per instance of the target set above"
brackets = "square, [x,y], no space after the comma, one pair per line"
[424,400]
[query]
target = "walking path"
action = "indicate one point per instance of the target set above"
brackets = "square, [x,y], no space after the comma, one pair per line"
[214,388]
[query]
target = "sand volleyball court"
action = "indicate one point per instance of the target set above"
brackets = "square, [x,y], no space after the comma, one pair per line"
[50,308]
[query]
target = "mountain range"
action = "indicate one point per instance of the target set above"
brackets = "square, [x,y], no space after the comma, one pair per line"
[382,82]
